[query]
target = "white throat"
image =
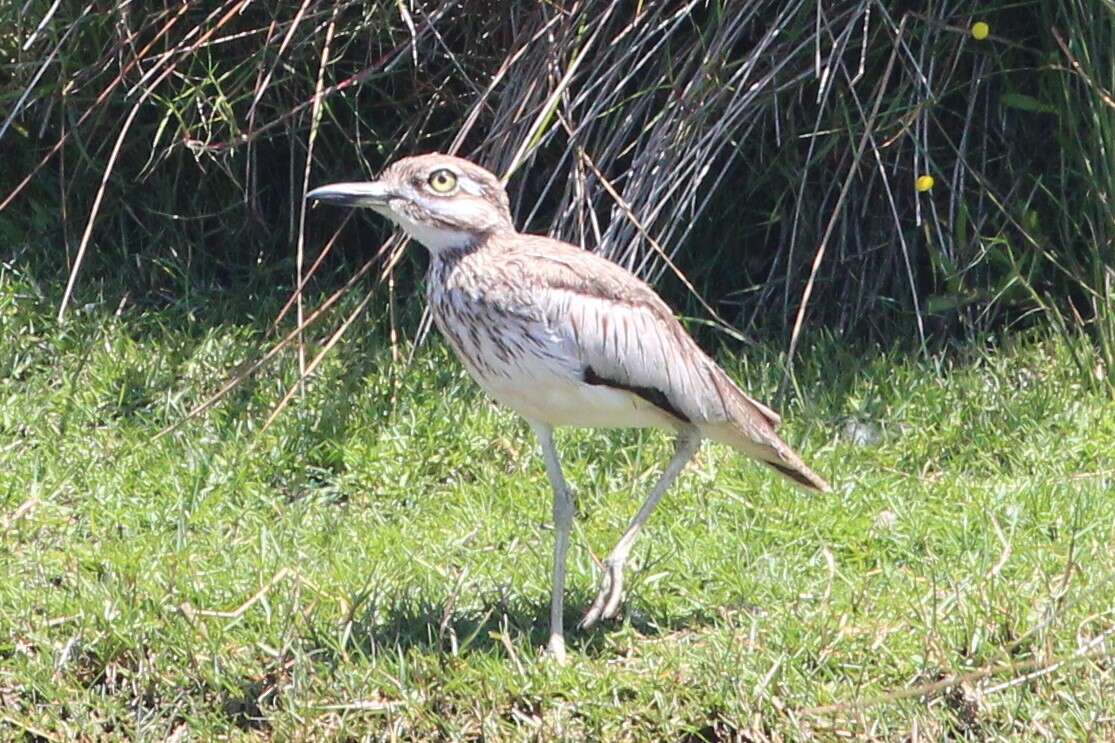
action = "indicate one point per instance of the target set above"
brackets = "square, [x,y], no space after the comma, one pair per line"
[435,239]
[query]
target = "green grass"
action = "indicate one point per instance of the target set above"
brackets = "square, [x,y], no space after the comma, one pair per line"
[377,563]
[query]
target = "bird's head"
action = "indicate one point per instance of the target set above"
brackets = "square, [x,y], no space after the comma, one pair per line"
[439,200]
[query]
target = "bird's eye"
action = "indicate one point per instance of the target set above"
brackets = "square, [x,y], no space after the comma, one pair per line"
[443,180]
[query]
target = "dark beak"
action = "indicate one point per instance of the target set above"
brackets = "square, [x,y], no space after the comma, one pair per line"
[368,194]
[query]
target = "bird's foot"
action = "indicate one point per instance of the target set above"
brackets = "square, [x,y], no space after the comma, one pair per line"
[555,650]
[608,598]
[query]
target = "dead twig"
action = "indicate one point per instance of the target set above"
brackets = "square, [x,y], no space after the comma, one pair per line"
[1039,666]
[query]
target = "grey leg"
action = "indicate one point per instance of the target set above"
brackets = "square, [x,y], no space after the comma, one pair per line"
[611,582]
[563,525]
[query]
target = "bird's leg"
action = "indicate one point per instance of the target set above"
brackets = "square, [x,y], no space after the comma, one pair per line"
[563,525]
[611,581]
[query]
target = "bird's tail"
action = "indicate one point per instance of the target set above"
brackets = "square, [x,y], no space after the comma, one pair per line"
[751,430]
[799,475]
[767,447]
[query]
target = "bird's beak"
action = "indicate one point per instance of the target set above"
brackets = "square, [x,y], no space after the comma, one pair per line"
[368,194]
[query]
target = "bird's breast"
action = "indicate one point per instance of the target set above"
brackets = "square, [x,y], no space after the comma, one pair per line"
[508,348]
[494,333]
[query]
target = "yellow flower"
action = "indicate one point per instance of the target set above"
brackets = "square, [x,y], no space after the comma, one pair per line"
[980,30]
[923,183]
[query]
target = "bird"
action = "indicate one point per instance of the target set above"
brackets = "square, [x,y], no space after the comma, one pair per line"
[564,337]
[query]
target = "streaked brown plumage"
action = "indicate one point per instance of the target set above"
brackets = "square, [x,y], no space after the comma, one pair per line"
[564,337]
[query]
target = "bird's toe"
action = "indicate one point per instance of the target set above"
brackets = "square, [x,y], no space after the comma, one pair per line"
[614,596]
[595,611]
[592,616]
[608,598]
[611,608]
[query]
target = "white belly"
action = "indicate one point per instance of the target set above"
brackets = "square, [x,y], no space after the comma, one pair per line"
[560,401]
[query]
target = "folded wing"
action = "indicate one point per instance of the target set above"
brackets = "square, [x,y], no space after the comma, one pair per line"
[623,335]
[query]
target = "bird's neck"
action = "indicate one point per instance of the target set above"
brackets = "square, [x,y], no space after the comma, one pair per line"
[450,252]
[439,239]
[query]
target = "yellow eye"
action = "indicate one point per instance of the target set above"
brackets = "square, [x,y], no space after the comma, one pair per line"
[443,180]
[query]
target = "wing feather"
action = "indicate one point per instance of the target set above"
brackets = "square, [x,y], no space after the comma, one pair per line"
[609,320]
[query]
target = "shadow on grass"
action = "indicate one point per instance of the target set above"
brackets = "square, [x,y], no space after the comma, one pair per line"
[499,624]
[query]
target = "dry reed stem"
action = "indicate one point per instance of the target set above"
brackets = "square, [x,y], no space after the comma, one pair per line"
[115,153]
[336,336]
[315,121]
[795,335]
